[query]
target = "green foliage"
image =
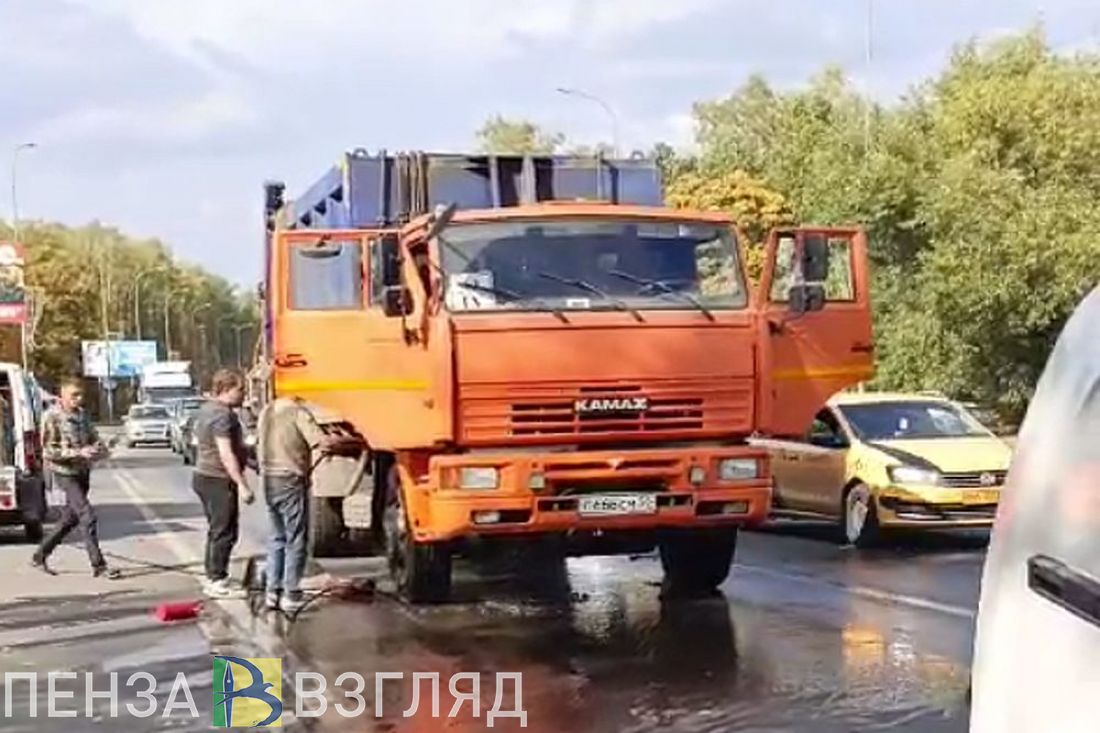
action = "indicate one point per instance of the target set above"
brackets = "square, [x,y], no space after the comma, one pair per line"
[88,281]
[978,191]
[502,136]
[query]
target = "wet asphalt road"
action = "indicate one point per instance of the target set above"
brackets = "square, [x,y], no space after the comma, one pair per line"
[807,635]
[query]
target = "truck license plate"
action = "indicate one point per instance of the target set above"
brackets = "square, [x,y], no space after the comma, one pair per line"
[614,504]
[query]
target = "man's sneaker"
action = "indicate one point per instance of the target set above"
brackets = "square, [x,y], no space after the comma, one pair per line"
[104,571]
[271,600]
[40,562]
[292,604]
[222,589]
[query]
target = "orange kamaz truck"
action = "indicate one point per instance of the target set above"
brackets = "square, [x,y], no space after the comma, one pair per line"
[535,349]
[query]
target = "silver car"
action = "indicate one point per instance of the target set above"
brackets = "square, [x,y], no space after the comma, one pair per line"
[147,424]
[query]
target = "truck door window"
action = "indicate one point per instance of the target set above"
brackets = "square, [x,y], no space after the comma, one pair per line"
[326,276]
[385,268]
[839,286]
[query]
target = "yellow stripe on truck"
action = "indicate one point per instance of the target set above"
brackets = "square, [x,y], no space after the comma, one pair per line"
[786,375]
[390,385]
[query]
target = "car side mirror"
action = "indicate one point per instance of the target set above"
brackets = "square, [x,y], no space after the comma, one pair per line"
[396,301]
[805,298]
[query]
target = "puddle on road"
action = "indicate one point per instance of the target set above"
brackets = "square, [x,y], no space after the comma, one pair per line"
[599,650]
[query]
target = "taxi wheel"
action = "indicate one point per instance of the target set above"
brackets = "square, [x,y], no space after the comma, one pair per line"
[860,520]
[421,570]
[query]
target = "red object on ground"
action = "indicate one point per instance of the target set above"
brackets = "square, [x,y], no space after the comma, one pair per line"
[182,611]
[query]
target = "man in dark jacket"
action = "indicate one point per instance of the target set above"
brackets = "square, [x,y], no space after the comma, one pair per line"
[70,445]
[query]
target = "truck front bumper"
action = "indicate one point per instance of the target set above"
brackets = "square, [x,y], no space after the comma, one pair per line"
[543,492]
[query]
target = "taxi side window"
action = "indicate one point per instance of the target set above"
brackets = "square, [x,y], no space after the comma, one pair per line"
[825,432]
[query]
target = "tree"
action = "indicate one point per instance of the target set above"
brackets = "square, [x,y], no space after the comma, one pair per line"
[502,136]
[752,205]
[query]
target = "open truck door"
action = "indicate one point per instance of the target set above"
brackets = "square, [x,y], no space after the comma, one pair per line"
[815,312]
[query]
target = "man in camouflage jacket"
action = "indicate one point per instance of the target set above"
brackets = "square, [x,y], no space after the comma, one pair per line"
[70,444]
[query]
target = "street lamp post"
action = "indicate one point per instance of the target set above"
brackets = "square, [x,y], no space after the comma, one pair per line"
[16,234]
[581,94]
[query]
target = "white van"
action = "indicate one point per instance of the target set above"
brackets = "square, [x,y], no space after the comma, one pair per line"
[22,494]
[1037,651]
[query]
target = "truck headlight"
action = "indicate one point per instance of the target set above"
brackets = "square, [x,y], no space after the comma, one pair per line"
[478,477]
[913,475]
[738,469]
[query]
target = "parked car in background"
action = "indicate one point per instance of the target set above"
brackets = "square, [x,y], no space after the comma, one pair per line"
[147,424]
[875,462]
[22,487]
[182,411]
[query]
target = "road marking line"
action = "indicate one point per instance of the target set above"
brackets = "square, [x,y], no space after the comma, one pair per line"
[899,599]
[236,611]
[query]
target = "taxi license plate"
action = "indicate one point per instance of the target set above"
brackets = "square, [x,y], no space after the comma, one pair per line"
[981,496]
[617,504]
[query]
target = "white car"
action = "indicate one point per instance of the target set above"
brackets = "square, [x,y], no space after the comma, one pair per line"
[1037,651]
[148,424]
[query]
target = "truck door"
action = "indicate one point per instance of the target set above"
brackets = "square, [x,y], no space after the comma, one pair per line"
[815,323]
[335,348]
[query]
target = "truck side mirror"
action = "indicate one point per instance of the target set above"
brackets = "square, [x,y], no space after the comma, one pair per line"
[390,246]
[806,298]
[815,258]
[396,301]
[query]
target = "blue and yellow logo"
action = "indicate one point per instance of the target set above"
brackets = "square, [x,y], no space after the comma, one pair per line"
[248,693]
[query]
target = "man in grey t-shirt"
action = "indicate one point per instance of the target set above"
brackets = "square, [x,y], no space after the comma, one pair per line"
[219,477]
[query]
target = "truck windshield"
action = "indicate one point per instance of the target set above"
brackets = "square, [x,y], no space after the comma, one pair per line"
[591,265]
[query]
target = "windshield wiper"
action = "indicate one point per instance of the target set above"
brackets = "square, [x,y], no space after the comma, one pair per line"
[585,285]
[513,296]
[664,288]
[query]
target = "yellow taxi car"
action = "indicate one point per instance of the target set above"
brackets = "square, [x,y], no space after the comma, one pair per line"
[876,461]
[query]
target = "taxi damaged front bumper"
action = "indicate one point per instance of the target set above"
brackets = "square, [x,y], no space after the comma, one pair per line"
[946,509]
[540,493]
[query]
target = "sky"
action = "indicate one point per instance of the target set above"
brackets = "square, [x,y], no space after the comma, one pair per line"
[164,117]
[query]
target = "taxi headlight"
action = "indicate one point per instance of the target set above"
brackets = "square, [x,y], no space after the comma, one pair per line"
[914,475]
[478,477]
[738,469]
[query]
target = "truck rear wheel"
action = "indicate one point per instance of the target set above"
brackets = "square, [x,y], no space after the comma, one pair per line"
[326,526]
[421,570]
[696,561]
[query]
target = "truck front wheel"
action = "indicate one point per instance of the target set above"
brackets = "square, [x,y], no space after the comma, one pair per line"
[326,526]
[421,570]
[696,561]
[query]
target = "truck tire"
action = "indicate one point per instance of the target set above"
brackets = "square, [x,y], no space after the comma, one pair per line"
[32,530]
[421,570]
[696,561]
[326,527]
[859,520]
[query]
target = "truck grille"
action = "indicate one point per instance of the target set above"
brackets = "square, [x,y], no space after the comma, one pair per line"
[549,411]
[973,479]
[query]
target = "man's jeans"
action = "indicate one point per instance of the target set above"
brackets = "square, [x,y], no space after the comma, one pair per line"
[288,508]
[77,512]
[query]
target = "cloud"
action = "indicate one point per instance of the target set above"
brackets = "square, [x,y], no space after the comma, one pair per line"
[163,117]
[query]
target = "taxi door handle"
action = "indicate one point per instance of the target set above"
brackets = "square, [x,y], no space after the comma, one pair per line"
[290,361]
[1062,585]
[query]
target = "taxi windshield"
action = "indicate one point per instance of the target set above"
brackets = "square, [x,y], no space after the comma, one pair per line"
[591,264]
[902,420]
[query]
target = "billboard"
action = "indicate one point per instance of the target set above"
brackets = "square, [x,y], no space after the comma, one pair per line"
[13,295]
[125,358]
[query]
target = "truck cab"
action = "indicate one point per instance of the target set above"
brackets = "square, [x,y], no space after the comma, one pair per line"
[579,372]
